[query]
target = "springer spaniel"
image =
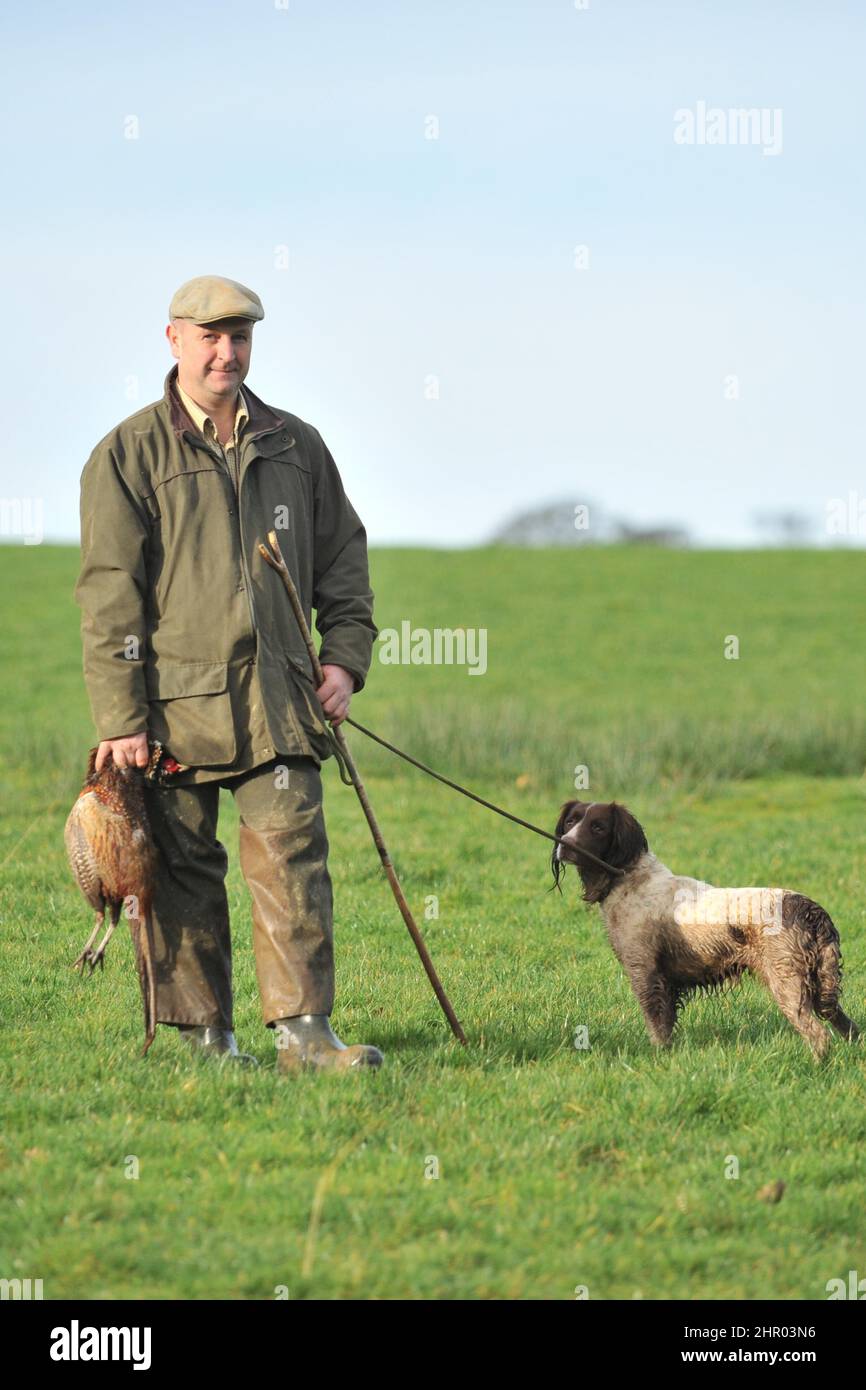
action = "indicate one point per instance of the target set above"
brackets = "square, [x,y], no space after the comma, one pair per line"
[673,935]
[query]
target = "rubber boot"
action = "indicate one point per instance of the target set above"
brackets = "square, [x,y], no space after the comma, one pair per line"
[307,1042]
[215,1042]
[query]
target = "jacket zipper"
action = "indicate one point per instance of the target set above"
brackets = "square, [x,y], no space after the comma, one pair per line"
[235,480]
[244,568]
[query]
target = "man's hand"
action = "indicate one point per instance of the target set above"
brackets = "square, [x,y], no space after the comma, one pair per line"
[127,752]
[337,691]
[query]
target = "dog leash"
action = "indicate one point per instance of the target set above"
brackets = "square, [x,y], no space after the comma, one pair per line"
[527,825]
[464,791]
[272,555]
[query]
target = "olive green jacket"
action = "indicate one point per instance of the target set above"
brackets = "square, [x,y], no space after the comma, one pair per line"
[176,601]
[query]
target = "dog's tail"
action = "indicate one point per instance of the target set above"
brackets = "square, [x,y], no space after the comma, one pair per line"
[824,962]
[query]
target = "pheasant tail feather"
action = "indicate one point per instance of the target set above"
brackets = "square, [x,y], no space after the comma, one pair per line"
[142,940]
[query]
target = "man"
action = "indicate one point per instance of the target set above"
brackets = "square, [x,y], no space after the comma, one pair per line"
[189,639]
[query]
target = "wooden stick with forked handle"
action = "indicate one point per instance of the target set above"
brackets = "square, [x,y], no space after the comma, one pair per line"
[274,558]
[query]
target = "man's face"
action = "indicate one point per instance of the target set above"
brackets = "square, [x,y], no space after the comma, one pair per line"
[213,358]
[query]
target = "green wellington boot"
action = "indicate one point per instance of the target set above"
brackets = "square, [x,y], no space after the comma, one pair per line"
[308,1042]
[215,1042]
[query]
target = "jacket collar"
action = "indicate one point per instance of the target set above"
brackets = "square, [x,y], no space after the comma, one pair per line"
[262,419]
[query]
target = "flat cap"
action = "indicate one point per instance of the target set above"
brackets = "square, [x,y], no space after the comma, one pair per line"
[209,298]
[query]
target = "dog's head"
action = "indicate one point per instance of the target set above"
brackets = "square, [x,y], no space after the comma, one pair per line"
[608,831]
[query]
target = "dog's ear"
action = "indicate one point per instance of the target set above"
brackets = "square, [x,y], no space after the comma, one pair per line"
[627,839]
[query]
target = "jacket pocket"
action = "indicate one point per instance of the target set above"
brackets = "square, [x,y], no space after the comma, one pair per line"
[311,714]
[191,711]
[302,664]
[283,448]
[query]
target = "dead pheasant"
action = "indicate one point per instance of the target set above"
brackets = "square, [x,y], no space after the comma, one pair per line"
[108,841]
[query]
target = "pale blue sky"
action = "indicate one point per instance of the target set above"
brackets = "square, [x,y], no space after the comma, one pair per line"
[408,257]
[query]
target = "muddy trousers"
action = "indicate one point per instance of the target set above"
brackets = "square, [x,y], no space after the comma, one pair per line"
[283,857]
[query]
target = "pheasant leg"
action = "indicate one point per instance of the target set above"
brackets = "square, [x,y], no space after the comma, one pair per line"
[94,958]
[87,954]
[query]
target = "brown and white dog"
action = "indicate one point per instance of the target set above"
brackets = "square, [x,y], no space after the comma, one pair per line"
[673,935]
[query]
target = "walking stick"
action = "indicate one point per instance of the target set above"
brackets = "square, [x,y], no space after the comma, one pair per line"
[275,559]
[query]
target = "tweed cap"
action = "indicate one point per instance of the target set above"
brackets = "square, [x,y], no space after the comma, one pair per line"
[209,298]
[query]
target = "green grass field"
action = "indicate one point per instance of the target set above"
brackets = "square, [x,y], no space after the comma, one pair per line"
[557,1168]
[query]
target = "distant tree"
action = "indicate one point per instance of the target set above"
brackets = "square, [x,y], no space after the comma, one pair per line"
[569,523]
[653,535]
[784,527]
[556,523]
